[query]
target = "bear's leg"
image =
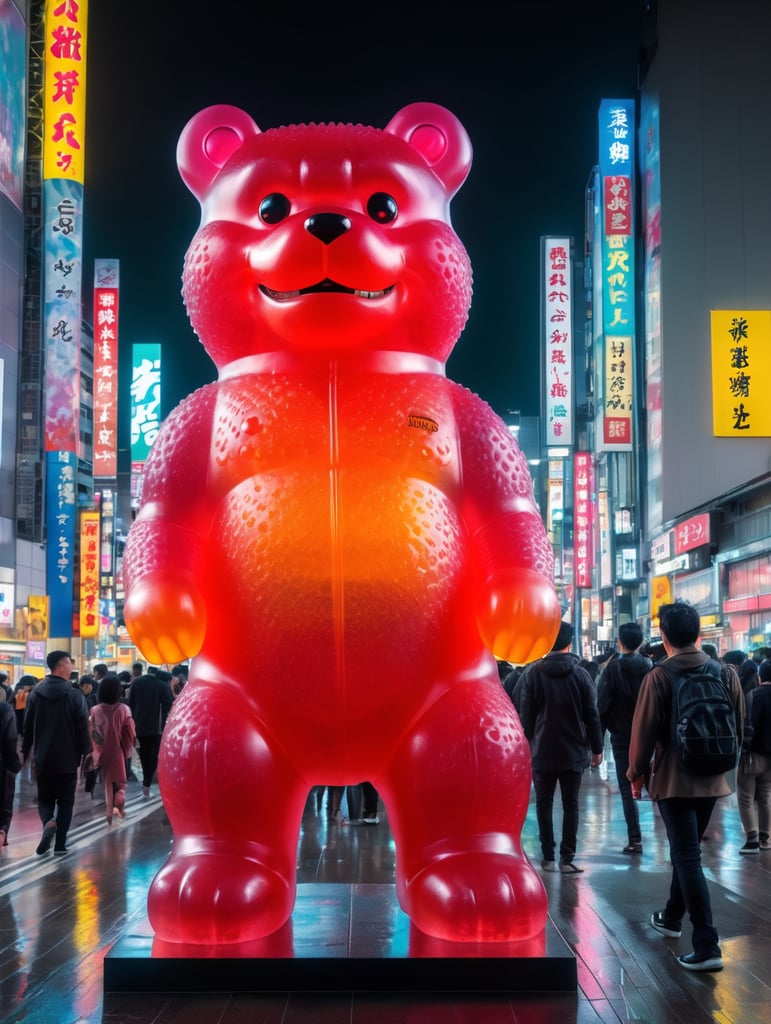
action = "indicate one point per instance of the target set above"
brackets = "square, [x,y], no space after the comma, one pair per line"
[457,792]
[235,804]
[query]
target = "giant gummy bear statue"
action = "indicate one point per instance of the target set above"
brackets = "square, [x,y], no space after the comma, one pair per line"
[340,535]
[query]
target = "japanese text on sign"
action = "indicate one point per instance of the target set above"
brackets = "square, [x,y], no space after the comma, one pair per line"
[558,341]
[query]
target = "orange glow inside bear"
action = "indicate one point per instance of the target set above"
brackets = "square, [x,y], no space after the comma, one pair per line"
[339,535]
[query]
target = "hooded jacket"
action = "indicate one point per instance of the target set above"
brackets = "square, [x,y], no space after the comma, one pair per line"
[650,749]
[56,727]
[558,711]
[617,690]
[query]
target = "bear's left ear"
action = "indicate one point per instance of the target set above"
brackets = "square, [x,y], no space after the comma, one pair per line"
[439,137]
[208,140]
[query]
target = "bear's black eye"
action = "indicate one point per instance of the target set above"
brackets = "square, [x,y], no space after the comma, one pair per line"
[274,208]
[382,208]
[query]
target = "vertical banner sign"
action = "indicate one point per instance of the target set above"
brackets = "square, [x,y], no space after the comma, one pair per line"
[741,372]
[145,409]
[64,136]
[583,519]
[64,107]
[106,503]
[616,163]
[63,210]
[558,340]
[106,286]
[61,512]
[89,573]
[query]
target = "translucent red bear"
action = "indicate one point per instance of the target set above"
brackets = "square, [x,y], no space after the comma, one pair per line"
[339,535]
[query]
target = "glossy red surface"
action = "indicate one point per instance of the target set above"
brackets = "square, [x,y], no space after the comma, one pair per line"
[339,535]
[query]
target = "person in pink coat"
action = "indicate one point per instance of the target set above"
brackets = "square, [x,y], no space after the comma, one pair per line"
[113,735]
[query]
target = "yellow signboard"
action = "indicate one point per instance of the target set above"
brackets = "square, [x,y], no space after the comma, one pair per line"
[64,131]
[741,372]
[37,617]
[661,593]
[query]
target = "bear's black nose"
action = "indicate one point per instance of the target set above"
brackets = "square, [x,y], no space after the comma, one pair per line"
[327,226]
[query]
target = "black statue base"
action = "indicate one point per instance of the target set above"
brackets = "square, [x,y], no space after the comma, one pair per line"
[342,938]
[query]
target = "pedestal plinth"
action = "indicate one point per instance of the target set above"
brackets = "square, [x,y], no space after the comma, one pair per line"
[342,938]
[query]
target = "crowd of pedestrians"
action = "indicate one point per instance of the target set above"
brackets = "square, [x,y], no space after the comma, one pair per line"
[567,705]
[65,724]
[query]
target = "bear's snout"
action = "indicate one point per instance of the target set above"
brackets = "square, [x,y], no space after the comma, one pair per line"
[327,226]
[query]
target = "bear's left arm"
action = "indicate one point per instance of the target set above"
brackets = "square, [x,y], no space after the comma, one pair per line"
[518,613]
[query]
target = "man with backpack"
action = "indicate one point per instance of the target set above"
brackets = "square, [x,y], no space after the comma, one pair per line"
[686,732]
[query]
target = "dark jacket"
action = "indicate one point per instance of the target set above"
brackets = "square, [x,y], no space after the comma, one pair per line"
[758,738]
[558,710]
[650,750]
[9,756]
[150,700]
[617,690]
[56,727]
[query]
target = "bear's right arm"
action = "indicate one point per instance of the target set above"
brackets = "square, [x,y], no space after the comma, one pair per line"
[165,611]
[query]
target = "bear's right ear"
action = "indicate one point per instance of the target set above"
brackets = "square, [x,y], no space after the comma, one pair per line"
[207,142]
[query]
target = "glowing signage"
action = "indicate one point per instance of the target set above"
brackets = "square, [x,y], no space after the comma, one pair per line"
[145,400]
[65,89]
[62,247]
[106,288]
[583,519]
[89,573]
[558,340]
[13,102]
[741,372]
[616,164]
[61,513]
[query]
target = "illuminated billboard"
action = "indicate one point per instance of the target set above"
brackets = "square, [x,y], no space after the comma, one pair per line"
[13,102]
[89,573]
[583,519]
[741,372]
[617,270]
[61,518]
[64,133]
[557,341]
[145,410]
[106,295]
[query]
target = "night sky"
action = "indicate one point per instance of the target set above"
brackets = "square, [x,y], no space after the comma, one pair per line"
[525,79]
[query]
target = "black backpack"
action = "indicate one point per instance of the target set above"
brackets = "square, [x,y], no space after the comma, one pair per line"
[703,721]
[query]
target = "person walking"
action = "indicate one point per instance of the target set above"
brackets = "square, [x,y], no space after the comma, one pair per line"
[10,766]
[617,687]
[56,732]
[558,710]
[113,735]
[753,779]
[684,799]
[150,700]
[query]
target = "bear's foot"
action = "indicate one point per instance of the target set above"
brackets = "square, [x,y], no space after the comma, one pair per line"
[477,897]
[213,898]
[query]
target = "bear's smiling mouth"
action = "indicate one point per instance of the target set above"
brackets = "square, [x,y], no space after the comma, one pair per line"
[327,285]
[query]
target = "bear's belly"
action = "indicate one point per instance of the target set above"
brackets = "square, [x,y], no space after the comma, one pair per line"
[359,578]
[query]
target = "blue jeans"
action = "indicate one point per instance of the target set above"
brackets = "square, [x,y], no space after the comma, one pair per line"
[686,820]
[545,784]
[628,803]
